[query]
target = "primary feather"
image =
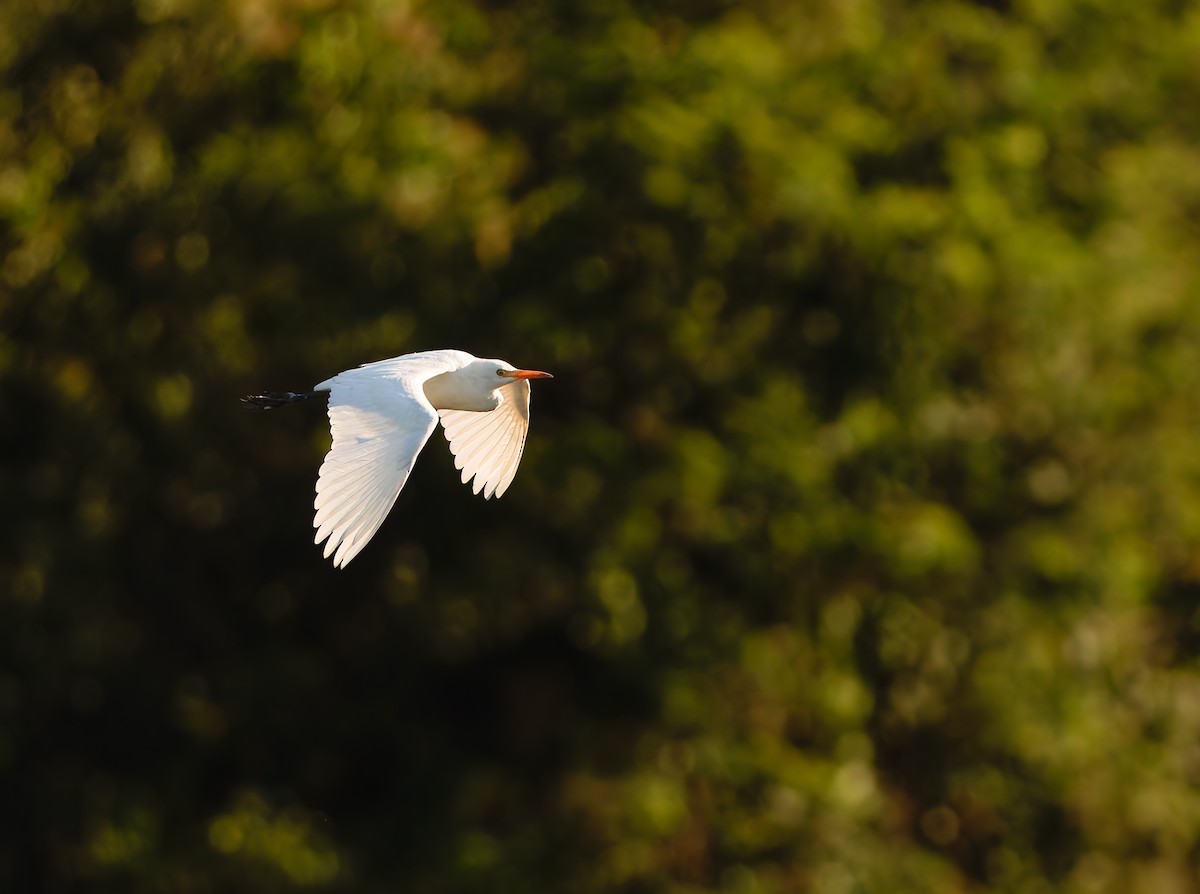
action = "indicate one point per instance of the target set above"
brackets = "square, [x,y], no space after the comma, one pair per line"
[488,446]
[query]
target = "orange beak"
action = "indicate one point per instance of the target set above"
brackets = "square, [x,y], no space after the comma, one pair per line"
[528,374]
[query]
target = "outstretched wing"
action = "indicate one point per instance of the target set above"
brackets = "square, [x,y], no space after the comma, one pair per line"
[380,420]
[487,446]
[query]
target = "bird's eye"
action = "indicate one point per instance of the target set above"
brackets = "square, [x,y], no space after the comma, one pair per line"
[500,372]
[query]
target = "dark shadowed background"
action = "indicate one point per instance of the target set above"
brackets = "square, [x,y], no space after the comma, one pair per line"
[856,546]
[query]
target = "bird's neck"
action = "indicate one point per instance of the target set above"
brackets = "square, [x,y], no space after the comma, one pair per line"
[456,391]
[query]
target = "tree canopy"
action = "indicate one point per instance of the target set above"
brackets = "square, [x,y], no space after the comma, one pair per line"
[856,545]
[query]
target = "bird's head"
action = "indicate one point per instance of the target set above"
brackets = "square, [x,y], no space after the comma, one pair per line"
[506,372]
[476,385]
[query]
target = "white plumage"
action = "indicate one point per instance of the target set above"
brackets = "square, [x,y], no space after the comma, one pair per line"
[381,414]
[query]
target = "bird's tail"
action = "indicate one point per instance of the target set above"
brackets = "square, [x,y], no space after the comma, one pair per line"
[269,400]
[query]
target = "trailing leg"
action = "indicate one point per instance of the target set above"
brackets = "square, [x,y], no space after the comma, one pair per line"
[269,400]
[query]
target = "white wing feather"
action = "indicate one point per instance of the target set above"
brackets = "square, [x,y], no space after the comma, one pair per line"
[487,446]
[380,419]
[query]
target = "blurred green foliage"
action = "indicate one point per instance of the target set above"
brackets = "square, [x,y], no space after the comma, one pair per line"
[857,542]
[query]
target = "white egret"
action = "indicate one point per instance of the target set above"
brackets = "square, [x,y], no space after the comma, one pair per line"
[381,415]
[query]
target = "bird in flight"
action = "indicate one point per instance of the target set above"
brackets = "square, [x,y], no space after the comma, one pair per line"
[381,414]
